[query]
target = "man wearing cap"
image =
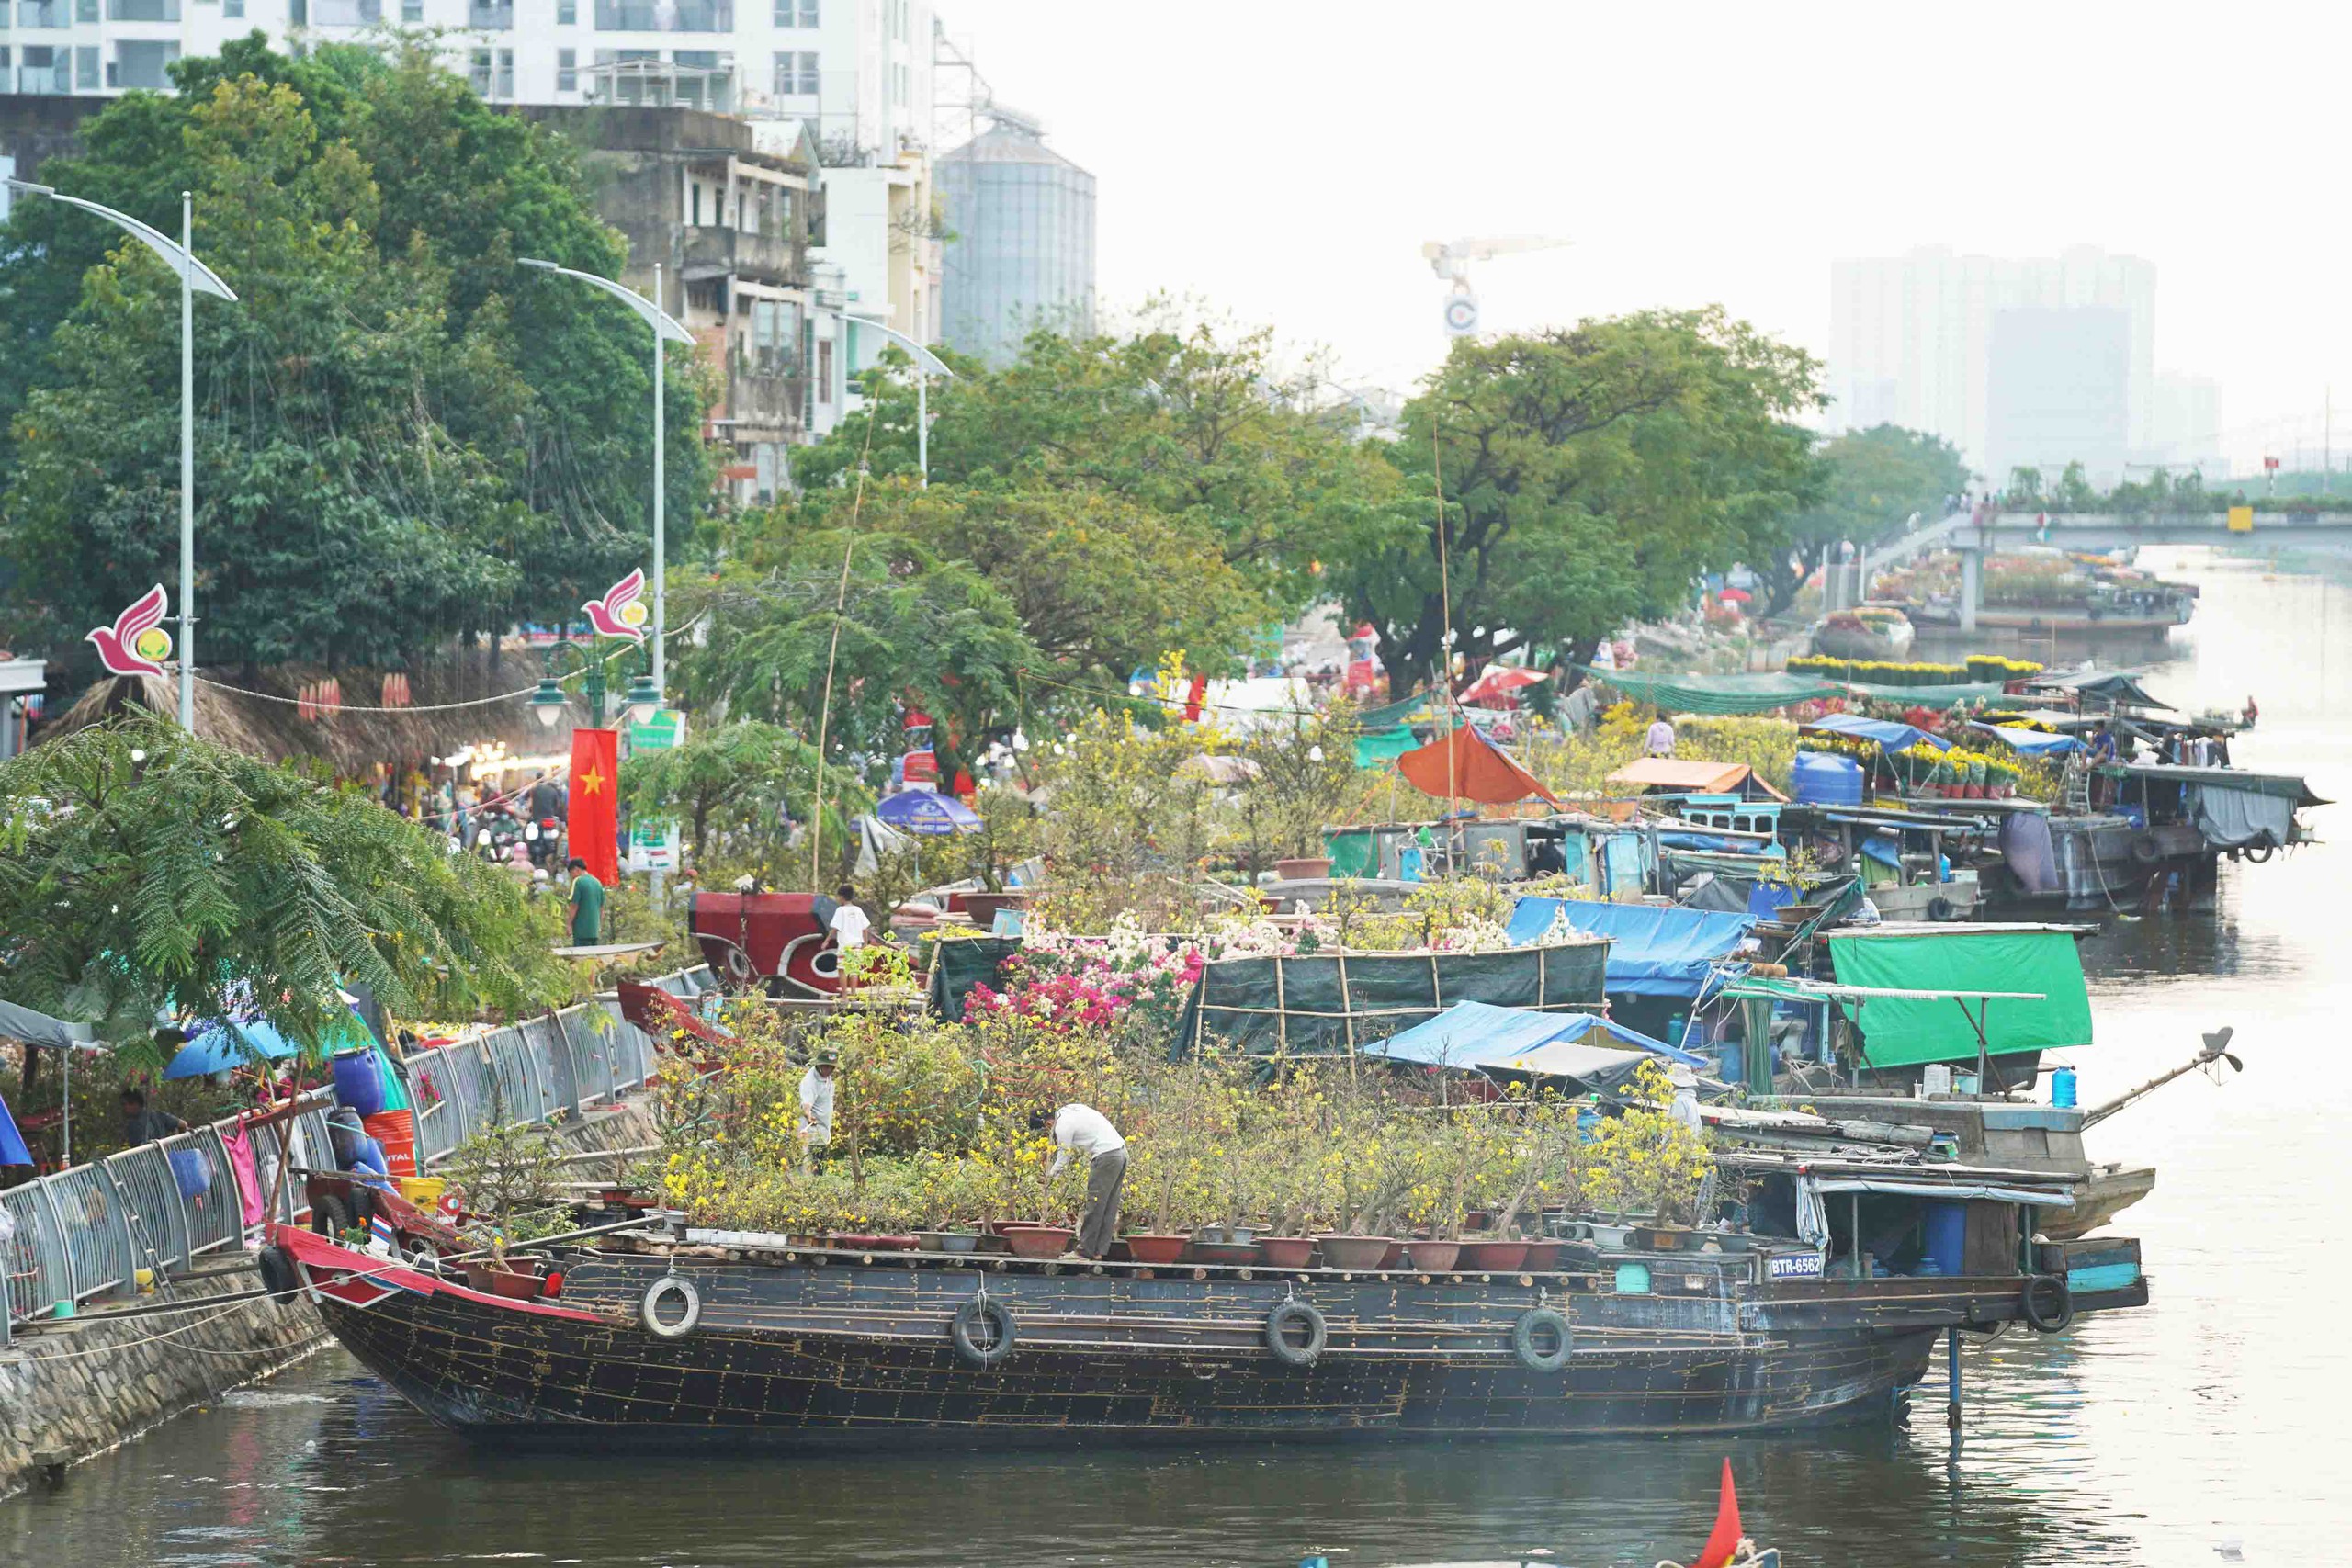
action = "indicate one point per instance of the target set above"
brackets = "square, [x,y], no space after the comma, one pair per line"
[816,1104]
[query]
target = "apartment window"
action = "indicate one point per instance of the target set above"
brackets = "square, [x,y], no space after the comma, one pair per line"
[666,16]
[132,10]
[796,73]
[491,15]
[411,10]
[85,68]
[697,204]
[567,71]
[567,13]
[237,8]
[506,73]
[824,370]
[145,65]
[88,11]
[45,13]
[796,13]
[481,62]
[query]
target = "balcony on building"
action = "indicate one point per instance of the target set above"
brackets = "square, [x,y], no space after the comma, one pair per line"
[666,16]
[661,84]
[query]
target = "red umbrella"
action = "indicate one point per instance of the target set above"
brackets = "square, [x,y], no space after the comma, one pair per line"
[1498,681]
[1734,596]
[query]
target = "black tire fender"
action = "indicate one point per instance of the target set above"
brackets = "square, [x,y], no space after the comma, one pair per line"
[983,1332]
[1940,908]
[2257,853]
[279,1274]
[2146,850]
[2059,1296]
[647,1310]
[330,1217]
[1527,1333]
[1286,1319]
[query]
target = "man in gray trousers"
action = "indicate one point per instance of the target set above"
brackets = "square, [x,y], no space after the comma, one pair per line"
[1081,1129]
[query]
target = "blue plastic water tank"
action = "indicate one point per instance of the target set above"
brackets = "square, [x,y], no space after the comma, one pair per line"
[1823,778]
[2062,1089]
[1947,1238]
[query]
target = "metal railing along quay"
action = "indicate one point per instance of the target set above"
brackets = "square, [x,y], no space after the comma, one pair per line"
[89,1232]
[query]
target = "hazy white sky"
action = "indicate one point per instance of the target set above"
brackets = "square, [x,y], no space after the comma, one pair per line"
[1284,160]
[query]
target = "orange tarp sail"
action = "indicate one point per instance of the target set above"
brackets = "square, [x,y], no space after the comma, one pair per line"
[1694,777]
[1480,771]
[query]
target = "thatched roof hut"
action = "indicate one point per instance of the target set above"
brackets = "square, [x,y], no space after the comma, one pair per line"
[452,705]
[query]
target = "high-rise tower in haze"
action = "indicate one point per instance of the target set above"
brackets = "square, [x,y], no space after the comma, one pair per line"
[2015,361]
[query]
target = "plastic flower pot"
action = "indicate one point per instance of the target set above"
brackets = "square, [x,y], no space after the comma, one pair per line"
[1354,1251]
[1240,1254]
[1303,868]
[1039,1241]
[1286,1251]
[875,1243]
[1493,1257]
[1148,1248]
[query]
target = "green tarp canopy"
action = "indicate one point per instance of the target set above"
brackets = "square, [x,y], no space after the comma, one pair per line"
[1326,1004]
[1716,693]
[959,964]
[1421,706]
[1764,692]
[1897,1032]
[1383,746]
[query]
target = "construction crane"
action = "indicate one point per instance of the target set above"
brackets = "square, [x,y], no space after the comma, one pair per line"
[1450,259]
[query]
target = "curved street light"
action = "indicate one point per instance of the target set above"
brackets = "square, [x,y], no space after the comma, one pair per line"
[927,365]
[666,328]
[195,278]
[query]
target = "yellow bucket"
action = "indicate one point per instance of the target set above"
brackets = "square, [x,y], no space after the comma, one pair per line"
[423,1190]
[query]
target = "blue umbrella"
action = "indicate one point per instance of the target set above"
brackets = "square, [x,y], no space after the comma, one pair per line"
[223,1045]
[927,811]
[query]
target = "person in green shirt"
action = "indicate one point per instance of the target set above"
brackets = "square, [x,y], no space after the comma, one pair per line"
[587,906]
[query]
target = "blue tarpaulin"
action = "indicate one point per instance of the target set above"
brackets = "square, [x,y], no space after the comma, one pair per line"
[1652,951]
[1564,1044]
[12,1142]
[1890,737]
[2031,742]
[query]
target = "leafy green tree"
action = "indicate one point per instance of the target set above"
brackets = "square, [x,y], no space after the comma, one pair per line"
[399,435]
[1875,481]
[146,870]
[2074,492]
[1202,426]
[726,784]
[914,628]
[1589,473]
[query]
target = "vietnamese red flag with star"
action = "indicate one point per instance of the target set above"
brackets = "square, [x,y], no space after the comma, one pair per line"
[595,817]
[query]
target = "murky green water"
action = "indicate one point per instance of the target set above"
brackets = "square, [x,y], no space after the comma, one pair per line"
[2208,1428]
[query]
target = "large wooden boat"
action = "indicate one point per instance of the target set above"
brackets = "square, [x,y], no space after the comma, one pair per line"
[798,1346]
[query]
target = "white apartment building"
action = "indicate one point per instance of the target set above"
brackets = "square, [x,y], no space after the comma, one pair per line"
[857,73]
[1912,339]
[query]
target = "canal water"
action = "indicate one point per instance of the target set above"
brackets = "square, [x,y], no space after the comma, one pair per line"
[2208,1428]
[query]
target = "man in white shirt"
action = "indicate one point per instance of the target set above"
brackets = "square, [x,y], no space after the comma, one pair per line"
[849,922]
[816,1104]
[1081,1129]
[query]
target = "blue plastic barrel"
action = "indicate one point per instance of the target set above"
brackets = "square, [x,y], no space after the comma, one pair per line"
[1824,779]
[2062,1089]
[357,1083]
[1734,1062]
[1947,1236]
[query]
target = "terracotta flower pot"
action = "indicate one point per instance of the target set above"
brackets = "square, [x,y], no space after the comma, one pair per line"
[1157,1248]
[1433,1256]
[1354,1251]
[1544,1257]
[1039,1241]
[1238,1254]
[1286,1251]
[1493,1257]
[1303,868]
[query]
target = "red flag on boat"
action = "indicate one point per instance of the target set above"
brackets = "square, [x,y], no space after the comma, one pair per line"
[1720,1545]
[595,817]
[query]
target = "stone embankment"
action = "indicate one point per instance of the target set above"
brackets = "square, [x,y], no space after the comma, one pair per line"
[74,1389]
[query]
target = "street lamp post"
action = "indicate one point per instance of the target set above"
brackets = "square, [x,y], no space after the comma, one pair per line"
[927,365]
[665,327]
[549,704]
[195,278]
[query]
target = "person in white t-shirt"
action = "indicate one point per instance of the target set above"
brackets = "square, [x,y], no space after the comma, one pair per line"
[849,923]
[1081,1129]
[816,1104]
